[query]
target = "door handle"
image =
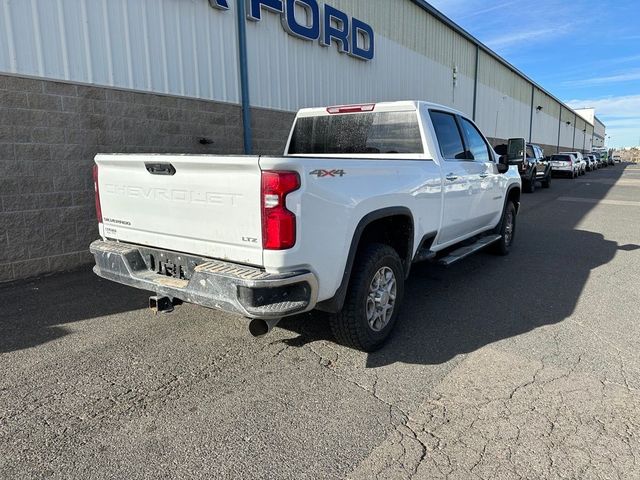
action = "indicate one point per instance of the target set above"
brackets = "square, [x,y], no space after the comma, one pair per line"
[484,175]
[451,177]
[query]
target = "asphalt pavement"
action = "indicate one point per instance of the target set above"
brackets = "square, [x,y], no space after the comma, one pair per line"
[524,366]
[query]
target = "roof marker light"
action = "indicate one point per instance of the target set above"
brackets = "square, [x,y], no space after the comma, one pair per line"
[369,107]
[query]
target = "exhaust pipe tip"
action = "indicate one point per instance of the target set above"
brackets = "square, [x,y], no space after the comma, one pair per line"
[259,327]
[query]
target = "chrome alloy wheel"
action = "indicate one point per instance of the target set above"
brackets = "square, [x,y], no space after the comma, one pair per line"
[381,299]
[508,228]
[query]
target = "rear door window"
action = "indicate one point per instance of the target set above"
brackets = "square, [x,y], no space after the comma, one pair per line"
[358,133]
[448,135]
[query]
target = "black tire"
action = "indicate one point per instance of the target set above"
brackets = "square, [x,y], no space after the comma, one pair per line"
[546,183]
[351,326]
[503,246]
[530,186]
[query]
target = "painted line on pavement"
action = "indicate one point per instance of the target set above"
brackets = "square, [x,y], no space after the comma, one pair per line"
[625,203]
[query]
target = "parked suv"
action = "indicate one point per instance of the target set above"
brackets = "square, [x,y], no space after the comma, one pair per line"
[535,168]
[599,159]
[592,163]
[582,164]
[564,164]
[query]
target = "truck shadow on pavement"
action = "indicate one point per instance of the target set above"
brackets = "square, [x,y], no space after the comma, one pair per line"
[35,312]
[484,299]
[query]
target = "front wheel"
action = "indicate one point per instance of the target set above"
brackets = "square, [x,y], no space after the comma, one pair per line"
[373,298]
[530,186]
[506,228]
[546,183]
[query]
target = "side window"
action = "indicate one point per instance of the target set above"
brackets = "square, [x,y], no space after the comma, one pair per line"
[478,148]
[448,135]
[530,153]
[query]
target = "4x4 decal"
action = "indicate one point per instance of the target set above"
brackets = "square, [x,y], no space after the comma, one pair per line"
[328,173]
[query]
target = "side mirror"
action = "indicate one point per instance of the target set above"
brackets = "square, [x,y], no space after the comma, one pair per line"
[516,151]
[503,164]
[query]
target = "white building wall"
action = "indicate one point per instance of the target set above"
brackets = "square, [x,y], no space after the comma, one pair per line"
[501,116]
[567,130]
[287,73]
[545,128]
[186,48]
[166,46]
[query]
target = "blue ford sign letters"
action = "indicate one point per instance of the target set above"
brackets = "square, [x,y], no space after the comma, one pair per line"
[221,4]
[322,23]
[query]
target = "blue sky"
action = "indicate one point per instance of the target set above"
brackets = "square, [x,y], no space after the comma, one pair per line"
[585,52]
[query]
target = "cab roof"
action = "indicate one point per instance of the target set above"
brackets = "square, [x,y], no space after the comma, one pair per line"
[399,106]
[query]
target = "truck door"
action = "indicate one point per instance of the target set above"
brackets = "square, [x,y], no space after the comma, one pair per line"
[487,204]
[461,178]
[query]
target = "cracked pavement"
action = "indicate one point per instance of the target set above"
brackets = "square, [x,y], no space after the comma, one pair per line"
[523,367]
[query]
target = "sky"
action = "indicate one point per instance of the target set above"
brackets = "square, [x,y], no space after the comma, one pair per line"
[585,52]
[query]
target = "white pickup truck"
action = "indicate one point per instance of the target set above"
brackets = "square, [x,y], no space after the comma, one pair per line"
[361,193]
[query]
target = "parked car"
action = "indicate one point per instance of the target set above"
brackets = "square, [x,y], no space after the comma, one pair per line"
[564,164]
[617,158]
[582,164]
[599,159]
[592,163]
[361,193]
[604,156]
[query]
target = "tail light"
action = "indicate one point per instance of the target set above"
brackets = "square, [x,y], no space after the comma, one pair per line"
[278,223]
[97,190]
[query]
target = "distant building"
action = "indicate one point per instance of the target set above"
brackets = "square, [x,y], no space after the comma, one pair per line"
[599,129]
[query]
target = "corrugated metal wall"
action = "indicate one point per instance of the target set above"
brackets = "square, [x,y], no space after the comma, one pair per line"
[288,73]
[184,47]
[600,128]
[567,130]
[589,137]
[504,100]
[546,120]
[165,46]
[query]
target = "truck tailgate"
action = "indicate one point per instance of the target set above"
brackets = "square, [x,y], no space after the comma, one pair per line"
[209,207]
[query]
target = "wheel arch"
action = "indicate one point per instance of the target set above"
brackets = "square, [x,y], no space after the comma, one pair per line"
[514,192]
[367,231]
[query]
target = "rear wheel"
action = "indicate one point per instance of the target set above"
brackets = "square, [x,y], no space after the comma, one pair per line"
[373,297]
[507,229]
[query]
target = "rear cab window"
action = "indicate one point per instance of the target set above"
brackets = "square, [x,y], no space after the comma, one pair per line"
[385,132]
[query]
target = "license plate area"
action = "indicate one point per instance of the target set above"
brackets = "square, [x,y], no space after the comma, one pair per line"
[170,269]
[171,264]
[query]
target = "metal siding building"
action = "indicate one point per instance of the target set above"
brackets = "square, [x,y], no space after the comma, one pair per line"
[78,77]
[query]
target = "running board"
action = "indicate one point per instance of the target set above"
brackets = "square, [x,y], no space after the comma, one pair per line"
[464,252]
